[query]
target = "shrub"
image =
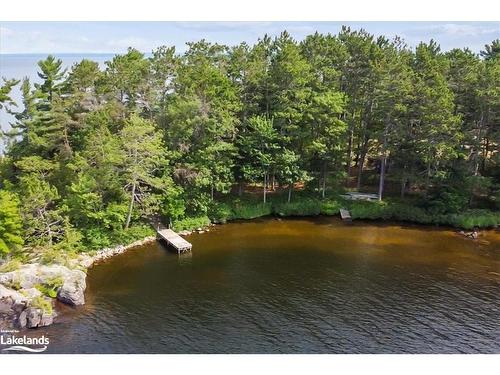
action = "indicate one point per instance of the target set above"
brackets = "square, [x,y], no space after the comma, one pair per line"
[250,209]
[219,212]
[96,238]
[134,233]
[301,207]
[475,218]
[407,212]
[50,287]
[190,223]
[444,200]
[11,265]
[14,284]
[330,207]
[43,303]
[53,255]
[369,210]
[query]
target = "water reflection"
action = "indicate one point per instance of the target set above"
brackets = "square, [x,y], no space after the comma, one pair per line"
[295,286]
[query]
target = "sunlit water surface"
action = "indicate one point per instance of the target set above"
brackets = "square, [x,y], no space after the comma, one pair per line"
[294,286]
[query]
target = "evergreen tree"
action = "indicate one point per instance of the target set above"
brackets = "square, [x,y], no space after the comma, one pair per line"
[10,223]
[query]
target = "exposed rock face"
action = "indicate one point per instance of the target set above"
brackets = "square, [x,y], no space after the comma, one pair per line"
[36,318]
[19,288]
[30,275]
[15,309]
[22,319]
[73,288]
[7,294]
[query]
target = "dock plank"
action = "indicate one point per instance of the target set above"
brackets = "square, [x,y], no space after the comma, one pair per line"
[172,238]
[345,215]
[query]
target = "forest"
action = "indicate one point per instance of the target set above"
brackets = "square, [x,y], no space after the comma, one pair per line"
[96,154]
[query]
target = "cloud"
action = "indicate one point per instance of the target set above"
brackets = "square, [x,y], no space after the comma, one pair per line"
[456,30]
[104,37]
[142,44]
[222,26]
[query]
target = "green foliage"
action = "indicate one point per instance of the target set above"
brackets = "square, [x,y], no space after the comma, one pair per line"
[95,155]
[220,212]
[53,255]
[191,223]
[475,218]
[446,200]
[330,207]
[300,207]
[250,209]
[42,303]
[134,233]
[467,219]
[50,287]
[10,223]
[11,265]
[5,90]
[14,284]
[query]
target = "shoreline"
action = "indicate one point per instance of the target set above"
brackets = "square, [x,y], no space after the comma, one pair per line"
[28,294]
[22,290]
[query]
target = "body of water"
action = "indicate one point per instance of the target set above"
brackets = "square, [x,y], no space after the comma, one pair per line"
[294,286]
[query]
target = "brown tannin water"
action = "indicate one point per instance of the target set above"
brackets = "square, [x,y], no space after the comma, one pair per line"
[294,286]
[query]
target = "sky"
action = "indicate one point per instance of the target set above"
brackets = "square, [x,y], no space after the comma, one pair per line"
[116,37]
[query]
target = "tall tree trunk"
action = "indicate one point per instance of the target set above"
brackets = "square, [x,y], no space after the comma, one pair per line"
[240,188]
[361,163]
[351,140]
[212,191]
[485,154]
[404,180]
[290,187]
[323,188]
[428,175]
[265,187]
[349,152]
[131,206]
[382,178]
[403,187]
[382,164]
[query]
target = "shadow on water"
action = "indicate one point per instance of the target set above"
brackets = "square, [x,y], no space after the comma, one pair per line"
[294,286]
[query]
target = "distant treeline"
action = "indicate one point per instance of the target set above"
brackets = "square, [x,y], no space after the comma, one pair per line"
[96,153]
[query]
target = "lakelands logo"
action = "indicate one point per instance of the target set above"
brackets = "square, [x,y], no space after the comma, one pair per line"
[23,343]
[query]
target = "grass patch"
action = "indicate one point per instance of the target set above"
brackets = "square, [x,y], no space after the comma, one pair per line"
[11,265]
[394,210]
[43,303]
[298,207]
[250,210]
[134,233]
[50,287]
[190,223]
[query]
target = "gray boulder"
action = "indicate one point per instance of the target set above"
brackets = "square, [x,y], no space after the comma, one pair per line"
[33,316]
[22,319]
[73,288]
[46,320]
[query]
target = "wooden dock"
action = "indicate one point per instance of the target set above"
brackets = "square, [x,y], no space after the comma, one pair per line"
[357,196]
[345,215]
[174,240]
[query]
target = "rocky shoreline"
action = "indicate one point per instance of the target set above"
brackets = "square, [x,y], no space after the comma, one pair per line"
[28,294]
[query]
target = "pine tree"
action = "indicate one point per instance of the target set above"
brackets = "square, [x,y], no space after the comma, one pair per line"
[11,234]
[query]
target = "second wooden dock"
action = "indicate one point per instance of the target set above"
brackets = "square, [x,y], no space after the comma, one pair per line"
[345,215]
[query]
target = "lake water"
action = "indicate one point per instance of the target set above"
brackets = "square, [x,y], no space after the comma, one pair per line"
[294,286]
